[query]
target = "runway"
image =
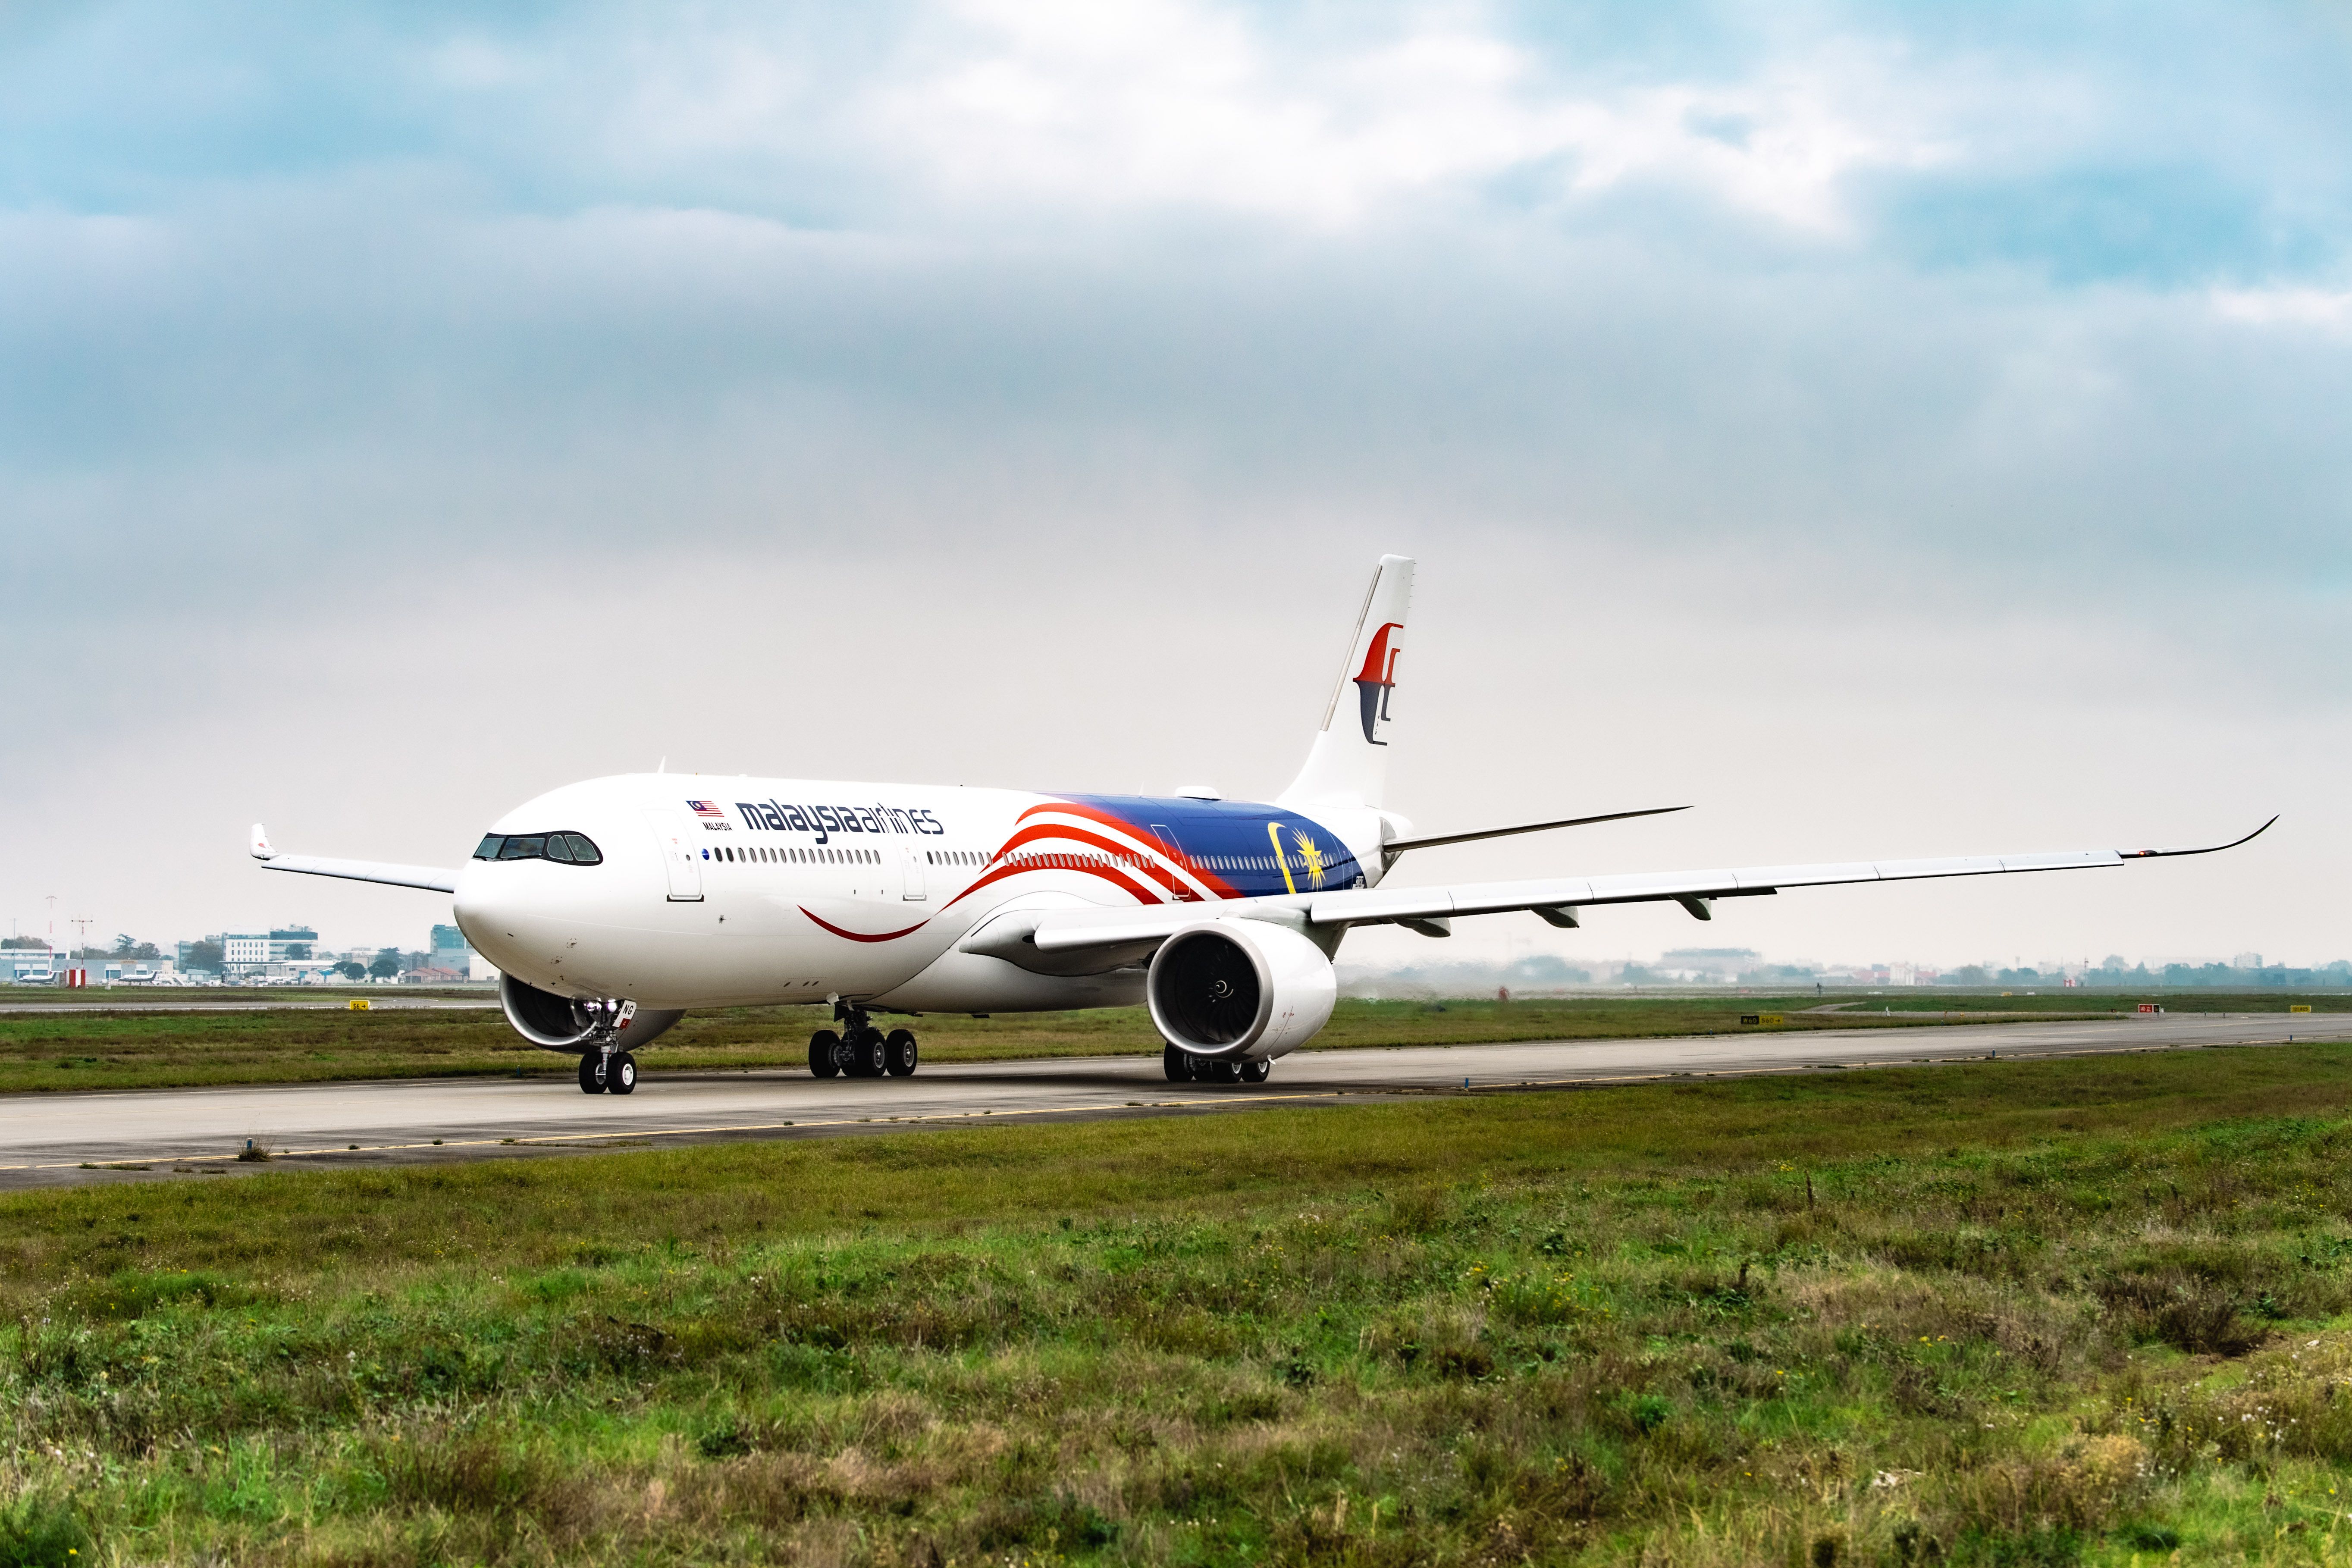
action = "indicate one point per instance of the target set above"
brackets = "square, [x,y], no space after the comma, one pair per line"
[50,1138]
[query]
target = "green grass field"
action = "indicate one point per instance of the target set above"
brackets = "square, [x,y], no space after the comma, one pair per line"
[48,1051]
[2092,1310]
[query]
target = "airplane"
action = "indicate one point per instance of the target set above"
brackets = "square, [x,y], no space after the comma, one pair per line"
[614,906]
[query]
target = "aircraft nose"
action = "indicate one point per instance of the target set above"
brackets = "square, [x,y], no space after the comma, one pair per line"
[495,909]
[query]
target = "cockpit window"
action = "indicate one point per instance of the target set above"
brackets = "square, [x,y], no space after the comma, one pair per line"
[571,848]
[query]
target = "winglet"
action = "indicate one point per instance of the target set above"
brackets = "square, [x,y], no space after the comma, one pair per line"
[2201,850]
[261,849]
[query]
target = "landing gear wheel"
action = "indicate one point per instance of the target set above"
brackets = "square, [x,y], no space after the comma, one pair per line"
[872,1057]
[1223,1072]
[898,1053]
[592,1073]
[825,1052]
[621,1075]
[1176,1063]
[1255,1071]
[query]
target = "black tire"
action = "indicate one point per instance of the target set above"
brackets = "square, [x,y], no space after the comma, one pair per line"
[825,1052]
[1255,1071]
[1176,1063]
[898,1053]
[1223,1072]
[592,1073]
[873,1055]
[621,1077]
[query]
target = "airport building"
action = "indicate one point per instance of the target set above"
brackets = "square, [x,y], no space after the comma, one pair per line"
[454,958]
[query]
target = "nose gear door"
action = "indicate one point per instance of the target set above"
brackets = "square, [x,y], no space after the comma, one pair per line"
[679,855]
[910,856]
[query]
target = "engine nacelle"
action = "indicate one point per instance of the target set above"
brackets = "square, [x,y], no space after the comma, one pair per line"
[1232,988]
[555,1022]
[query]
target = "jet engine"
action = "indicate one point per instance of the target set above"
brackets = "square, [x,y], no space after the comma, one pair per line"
[556,1022]
[1228,989]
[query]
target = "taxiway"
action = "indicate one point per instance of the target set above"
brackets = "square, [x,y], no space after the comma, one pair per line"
[47,1139]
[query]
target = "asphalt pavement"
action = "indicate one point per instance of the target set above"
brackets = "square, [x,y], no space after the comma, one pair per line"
[47,1139]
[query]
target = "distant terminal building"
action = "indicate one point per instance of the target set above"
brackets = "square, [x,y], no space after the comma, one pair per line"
[1706,964]
[293,943]
[245,952]
[451,954]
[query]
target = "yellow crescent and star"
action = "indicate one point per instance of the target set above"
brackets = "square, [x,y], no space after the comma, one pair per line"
[1309,857]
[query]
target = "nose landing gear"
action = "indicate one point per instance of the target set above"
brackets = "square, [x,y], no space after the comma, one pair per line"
[861,1051]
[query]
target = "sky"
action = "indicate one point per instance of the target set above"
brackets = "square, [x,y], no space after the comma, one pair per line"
[1890,430]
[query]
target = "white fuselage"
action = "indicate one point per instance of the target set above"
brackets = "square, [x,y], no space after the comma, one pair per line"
[711,890]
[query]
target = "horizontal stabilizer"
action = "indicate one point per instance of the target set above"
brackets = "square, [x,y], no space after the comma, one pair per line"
[1396,847]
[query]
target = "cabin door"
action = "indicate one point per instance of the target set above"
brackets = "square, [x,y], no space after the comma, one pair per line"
[681,847]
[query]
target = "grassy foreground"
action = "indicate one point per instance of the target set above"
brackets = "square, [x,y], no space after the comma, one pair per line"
[2087,1311]
[49,1051]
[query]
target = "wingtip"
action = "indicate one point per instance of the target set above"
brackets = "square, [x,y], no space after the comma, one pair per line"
[259,844]
[2250,837]
[2202,848]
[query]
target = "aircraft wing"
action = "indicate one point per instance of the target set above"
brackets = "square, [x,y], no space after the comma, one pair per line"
[431,877]
[1557,899]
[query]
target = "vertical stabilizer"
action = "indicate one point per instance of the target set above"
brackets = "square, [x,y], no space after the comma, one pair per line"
[1349,762]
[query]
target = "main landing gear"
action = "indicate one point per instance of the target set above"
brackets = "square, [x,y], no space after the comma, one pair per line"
[608,1072]
[1183,1066]
[861,1051]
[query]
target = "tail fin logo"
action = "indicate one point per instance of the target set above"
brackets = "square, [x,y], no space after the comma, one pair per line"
[1377,679]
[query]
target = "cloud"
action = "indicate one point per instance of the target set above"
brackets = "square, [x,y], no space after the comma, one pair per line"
[1166,104]
[2289,307]
[1872,422]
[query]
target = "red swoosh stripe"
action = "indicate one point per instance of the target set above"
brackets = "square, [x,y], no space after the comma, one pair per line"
[860,936]
[1111,874]
[1215,884]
